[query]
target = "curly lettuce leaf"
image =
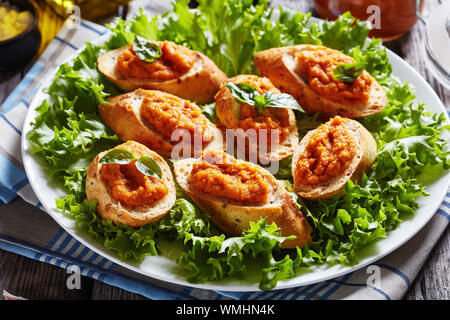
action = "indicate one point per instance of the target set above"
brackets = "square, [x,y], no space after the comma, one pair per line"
[184,218]
[68,132]
[229,32]
[216,257]
[131,244]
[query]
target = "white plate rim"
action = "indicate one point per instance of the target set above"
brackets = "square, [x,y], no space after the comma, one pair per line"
[341,270]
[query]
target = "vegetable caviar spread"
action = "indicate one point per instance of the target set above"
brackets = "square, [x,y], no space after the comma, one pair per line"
[220,175]
[327,154]
[175,61]
[167,113]
[317,66]
[130,186]
[251,120]
[249,115]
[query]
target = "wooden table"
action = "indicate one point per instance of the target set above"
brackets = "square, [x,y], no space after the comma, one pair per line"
[37,280]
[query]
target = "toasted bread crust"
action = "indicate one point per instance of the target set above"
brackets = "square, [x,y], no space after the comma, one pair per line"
[362,162]
[233,218]
[122,114]
[280,65]
[109,208]
[228,112]
[199,84]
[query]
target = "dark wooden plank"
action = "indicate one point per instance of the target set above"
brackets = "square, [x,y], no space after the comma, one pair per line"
[433,281]
[8,82]
[102,291]
[411,48]
[31,279]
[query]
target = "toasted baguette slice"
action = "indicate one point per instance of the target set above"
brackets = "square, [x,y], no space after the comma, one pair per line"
[199,84]
[123,115]
[281,67]
[366,153]
[109,208]
[228,110]
[233,217]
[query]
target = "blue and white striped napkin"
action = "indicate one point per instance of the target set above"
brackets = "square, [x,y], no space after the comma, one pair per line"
[26,230]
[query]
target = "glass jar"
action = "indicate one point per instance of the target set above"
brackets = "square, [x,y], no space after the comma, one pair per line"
[390,18]
[437,42]
[89,9]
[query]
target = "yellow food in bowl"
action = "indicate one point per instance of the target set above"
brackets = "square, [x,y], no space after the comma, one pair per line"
[13,22]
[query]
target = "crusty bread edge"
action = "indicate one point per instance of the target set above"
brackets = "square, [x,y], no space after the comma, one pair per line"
[278,64]
[234,218]
[114,115]
[109,208]
[199,84]
[362,162]
[224,99]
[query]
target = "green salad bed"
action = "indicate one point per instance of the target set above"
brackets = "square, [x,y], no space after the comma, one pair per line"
[68,133]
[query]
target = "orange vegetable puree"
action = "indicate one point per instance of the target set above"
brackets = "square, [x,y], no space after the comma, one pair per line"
[250,119]
[317,66]
[221,176]
[166,113]
[175,61]
[128,185]
[327,154]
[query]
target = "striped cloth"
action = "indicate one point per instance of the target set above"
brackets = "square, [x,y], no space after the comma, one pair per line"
[25,230]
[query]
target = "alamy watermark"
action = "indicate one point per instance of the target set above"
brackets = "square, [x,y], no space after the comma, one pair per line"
[374,278]
[375,16]
[74,279]
[74,19]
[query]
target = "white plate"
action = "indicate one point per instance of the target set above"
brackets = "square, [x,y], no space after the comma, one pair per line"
[166,269]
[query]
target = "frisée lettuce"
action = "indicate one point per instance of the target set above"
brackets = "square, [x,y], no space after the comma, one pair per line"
[68,133]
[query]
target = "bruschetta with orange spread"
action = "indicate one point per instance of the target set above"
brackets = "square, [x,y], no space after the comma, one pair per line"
[307,72]
[235,192]
[165,66]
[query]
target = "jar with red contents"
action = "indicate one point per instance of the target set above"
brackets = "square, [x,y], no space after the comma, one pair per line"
[390,18]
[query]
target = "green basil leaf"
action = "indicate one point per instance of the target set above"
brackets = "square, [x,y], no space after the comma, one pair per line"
[249,94]
[243,92]
[261,100]
[247,87]
[146,50]
[146,165]
[348,72]
[282,100]
[261,103]
[149,167]
[209,110]
[119,156]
